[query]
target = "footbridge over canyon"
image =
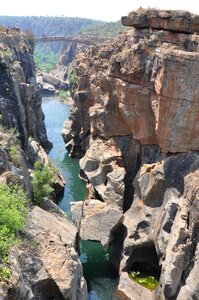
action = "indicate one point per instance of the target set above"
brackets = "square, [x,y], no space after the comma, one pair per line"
[80,40]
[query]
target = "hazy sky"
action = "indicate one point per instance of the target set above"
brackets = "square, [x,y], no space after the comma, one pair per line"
[108,10]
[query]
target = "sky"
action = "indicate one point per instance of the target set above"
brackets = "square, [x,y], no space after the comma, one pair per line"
[106,10]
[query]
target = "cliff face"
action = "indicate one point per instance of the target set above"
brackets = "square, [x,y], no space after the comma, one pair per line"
[135,123]
[45,265]
[20,100]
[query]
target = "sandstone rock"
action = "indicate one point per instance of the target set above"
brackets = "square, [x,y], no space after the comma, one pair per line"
[175,21]
[47,89]
[157,222]
[39,151]
[186,105]
[72,134]
[135,119]
[56,82]
[106,176]
[98,221]
[136,92]
[47,263]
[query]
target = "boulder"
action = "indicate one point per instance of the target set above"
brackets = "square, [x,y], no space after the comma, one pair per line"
[56,82]
[46,263]
[47,89]
[106,176]
[98,220]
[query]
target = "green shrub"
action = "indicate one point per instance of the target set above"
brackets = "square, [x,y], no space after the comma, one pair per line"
[13,207]
[13,210]
[42,183]
[4,273]
[14,154]
[6,241]
[45,59]
[64,95]
[31,40]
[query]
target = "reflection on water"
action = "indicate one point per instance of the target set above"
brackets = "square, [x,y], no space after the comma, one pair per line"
[98,270]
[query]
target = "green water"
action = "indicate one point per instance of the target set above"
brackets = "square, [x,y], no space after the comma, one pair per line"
[98,270]
[101,277]
[56,113]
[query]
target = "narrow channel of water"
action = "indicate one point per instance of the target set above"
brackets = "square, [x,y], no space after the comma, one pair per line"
[98,270]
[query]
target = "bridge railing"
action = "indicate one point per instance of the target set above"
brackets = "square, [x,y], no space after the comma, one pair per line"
[85,41]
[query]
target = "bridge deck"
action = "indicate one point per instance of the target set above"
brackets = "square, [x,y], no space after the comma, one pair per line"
[68,39]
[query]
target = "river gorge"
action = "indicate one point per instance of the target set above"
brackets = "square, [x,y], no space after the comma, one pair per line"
[128,227]
[102,278]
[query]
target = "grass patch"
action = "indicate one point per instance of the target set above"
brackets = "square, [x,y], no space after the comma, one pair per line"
[145,274]
[150,282]
[64,96]
[13,211]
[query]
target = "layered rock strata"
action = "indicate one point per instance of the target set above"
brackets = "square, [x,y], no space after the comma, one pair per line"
[20,100]
[135,125]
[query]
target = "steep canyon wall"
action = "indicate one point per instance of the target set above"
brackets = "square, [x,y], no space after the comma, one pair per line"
[135,126]
[45,265]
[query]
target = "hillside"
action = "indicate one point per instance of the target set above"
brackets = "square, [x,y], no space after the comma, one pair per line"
[110,29]
[48,25]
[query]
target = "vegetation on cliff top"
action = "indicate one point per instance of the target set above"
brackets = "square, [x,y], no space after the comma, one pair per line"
[110,29]
[40,25]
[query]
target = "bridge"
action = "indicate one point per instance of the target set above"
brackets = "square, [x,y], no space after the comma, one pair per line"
[79,40]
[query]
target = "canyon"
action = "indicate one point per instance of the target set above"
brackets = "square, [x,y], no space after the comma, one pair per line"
[134,125]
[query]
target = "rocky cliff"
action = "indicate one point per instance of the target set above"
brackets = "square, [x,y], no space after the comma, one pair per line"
[135,125]
[20,100]
[45,264]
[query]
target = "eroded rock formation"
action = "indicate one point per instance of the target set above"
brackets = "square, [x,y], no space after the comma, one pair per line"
[20,100]
[46,265]
[96,220]
[135,123]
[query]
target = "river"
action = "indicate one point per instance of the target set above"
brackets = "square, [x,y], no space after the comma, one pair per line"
[101,277]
